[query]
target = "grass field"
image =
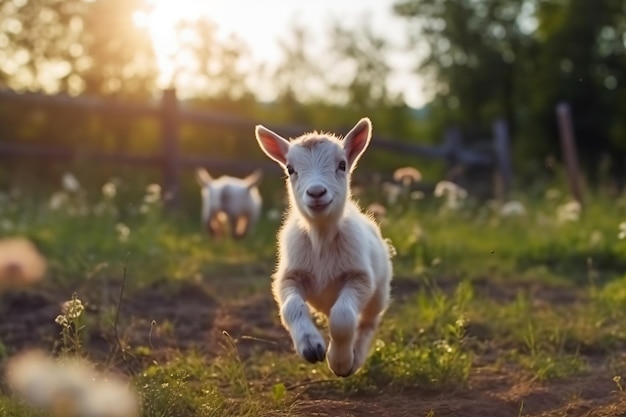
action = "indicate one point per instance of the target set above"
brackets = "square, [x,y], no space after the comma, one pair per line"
[494,314]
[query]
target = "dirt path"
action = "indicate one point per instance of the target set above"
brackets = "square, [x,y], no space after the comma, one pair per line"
[167,318]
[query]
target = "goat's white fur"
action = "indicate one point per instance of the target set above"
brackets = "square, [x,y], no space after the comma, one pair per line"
[231,199]
[331,256]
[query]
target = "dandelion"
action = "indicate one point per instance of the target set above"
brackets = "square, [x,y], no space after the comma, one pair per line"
[69,387]
[512,208]
[123,232]
[58,200]
[407,175]
[622,230]
[553,194]
[391,192]
[21,264]
[70,183]
[568,212]
[109,190]
[596,238]
[153,194]
[110,398]
[417,195]
[452,192]
[31,375]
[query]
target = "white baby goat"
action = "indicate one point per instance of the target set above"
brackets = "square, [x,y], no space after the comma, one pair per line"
[332,257]
[231,199]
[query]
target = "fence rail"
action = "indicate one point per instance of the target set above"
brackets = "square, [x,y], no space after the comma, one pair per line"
[171,113]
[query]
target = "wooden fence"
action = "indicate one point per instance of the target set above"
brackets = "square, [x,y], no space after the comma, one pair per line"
[172,114]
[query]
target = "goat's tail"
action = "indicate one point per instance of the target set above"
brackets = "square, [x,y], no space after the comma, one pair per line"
[254,179]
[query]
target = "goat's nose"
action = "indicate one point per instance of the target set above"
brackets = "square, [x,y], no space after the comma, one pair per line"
[316,191]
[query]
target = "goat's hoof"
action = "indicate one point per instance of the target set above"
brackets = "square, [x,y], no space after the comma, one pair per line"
[314,354]
[312,348]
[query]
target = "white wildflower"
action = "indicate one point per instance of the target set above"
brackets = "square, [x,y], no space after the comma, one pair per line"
[123,232]
[153,194]
[622,230]
[512,208]
[391,192]
[569,212]
[73,308]
[452,192]
[109,190]
[70,183]
[407,175]
[553,194]
[58,200]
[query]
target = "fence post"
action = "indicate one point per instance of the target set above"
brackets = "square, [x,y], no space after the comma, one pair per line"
[503,175]
[568,147]
[452,142]
[169,137]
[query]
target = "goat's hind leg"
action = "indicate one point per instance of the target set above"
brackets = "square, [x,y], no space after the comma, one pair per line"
[295,316]
[370,318]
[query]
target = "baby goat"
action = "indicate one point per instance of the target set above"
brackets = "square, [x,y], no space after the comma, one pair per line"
[235,200]
[332,257]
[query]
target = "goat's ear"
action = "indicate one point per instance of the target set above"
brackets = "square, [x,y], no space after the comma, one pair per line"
[254,178]
[203,177]
[356,141]
[274,145]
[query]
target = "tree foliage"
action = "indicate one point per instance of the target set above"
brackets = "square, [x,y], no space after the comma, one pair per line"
[519,59]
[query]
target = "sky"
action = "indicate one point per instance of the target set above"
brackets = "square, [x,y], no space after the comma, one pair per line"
[262,23]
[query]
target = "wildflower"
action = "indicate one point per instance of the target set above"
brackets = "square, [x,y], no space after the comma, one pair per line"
[512,208]
[70,183]
[553,194]
[596,238]
[62,320]
[110,398]
[20,263]
[69,386]
[622,230]
[407,175]
[109,190]
[73,308]
[58,200]
[452,192]
[448,188]
[391,192]
[569,212]
[417,195]
[153,194]
[31,375]
[123,232]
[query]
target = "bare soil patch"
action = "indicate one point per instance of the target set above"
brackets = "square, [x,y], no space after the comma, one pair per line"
[165,317]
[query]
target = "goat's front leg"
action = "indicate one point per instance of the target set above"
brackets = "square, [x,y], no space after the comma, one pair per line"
[357,290]
[295,316]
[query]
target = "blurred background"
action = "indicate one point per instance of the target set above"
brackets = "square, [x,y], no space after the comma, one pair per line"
[465,90]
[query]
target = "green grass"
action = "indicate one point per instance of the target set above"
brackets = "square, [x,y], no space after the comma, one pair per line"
[467,277]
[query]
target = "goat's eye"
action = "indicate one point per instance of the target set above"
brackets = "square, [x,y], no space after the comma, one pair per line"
[342,165]
[290,169]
